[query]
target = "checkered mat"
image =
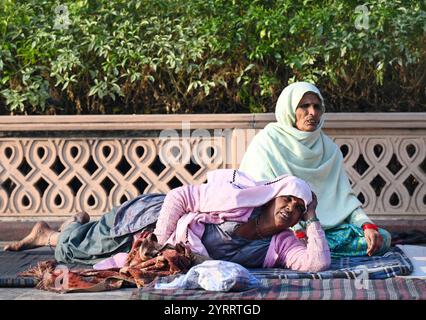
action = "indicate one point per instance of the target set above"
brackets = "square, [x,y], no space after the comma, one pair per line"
[392,264]
[303,289]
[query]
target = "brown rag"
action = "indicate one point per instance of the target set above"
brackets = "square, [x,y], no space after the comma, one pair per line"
[146,261]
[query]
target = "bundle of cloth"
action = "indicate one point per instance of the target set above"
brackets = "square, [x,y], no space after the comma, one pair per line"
[146,261]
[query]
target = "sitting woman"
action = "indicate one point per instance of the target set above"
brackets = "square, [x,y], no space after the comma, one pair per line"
[231,217]
[296,145]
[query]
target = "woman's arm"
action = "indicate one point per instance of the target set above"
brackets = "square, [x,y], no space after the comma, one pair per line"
[358,217]
[373,237]
[177,202]
[293,254]
[287,251]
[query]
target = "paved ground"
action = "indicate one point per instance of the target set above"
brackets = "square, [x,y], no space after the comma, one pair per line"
[34,294]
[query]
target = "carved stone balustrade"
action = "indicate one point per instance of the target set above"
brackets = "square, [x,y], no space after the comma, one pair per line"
[54,166]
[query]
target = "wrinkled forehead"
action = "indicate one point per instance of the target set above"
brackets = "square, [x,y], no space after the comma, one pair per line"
[300,92]
[309,96]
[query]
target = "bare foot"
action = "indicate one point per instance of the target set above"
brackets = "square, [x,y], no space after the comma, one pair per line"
[38,237]
[81,218]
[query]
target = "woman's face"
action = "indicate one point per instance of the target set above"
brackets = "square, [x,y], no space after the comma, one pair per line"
[287,211]
[308,112]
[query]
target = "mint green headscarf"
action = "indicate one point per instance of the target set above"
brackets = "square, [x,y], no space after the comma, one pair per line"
[312,156]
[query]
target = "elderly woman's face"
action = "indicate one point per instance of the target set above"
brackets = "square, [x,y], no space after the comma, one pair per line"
[308,112]
[287,211]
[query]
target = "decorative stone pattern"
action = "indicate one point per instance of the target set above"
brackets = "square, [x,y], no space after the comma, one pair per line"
[388,174]
[64,176]
[58,174]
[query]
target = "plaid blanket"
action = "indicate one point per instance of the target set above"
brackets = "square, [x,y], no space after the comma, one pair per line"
[303,289]
[392,263]
[355,278]
[146,261]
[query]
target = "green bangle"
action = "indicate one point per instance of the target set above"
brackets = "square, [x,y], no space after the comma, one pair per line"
[309,221]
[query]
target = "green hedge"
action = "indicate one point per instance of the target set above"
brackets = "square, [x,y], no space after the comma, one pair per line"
[133,56]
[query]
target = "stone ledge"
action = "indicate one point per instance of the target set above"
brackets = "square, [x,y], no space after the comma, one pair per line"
[390,120]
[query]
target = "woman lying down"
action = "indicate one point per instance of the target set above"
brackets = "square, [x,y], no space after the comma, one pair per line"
[231,217]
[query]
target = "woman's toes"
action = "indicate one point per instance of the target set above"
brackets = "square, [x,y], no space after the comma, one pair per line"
[15,246]
[82,217]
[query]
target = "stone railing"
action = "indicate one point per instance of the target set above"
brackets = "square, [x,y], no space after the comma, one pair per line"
[53,166]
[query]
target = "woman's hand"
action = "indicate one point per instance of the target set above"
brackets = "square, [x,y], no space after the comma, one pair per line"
[374,241]
[310,211]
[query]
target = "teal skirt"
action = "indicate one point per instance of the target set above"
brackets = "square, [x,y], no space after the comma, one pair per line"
[91,242]
[348,240]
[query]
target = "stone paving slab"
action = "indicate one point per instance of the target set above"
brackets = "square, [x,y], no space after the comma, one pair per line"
[35,294]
